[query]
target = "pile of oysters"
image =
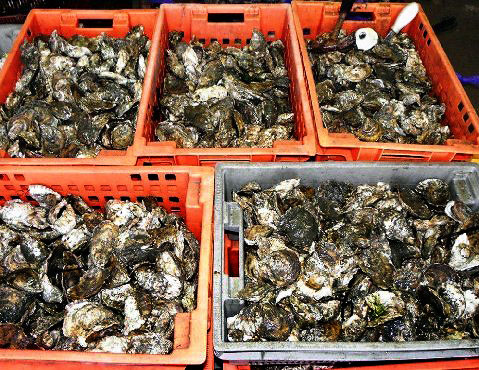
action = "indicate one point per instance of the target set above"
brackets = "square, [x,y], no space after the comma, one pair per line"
[75,97]
[73,278]
[216,97]
[379,95]
[368,263]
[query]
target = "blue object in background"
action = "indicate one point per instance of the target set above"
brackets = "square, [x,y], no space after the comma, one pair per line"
[468,80]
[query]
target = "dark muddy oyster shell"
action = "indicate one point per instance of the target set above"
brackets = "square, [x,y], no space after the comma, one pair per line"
[300,226]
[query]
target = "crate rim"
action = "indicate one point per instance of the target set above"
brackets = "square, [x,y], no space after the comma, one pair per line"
[333,140]
[321,351]
[144,147]
[195,354]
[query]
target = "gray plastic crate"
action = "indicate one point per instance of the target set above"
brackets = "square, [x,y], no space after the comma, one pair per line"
[464,180]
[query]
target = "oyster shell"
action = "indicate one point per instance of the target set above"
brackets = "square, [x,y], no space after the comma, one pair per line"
[84,319]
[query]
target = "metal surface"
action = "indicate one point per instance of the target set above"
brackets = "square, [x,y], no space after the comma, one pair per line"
[464,181]
[8,33]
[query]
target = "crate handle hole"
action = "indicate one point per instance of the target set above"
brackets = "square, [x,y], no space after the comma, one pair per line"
[108,197]
[19,177]
[93,198]
[360,16]
[226,41]
[153,177]
[95,23]
[226,17]
[135,177]
[170,177]
[3,177]
[465,117]
[306,31]
[428,42]
[238,41]
[248,41]
[29,32]
[424,34]
[421,26]
[460,106]
[159,199]
[213,40]
[174,199]
[470,128]
[202,41]
[125,199]
[271,34]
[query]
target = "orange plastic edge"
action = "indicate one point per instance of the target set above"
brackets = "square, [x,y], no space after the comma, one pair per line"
[190,16]
[192,185]
[65,21]
[337,145]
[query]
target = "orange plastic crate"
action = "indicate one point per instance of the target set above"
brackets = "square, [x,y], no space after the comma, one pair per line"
[313,18]
[273,20]
[187,191]
[210,354]
[66,22]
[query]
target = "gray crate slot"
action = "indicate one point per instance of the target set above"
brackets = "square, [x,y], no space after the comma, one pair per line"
[233,222]
[464,182]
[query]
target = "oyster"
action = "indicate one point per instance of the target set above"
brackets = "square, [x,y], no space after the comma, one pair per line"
[260,321]
[299,226]
[84,319]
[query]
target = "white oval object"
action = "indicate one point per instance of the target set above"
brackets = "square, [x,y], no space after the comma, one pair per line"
[408,13]
[366,38]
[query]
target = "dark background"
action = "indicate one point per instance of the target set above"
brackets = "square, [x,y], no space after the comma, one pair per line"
[462,43]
